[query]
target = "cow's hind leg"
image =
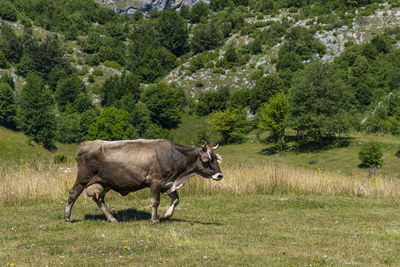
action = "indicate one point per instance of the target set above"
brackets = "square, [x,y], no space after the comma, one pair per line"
[174,202]
[74,193]
[103,208]
[97,192]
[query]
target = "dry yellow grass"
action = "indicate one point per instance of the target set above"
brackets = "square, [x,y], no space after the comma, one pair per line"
[54,181]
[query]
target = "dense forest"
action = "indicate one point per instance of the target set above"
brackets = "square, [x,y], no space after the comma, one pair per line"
[60,50]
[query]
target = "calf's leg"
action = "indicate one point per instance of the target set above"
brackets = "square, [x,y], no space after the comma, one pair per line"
[174,202]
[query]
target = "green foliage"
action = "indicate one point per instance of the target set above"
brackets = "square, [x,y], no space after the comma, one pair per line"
[68,128]
[228,123]
[7,11]
[67,90]
[60,158]
[10,44]
[273,117]
[300,41]
[7,106]
[266,86]
[371,155]
[115,87]
[164,103]
[82,102]
[319,102]
[212,101]
[3,61]
[230,54]
[173,32]
[111,124]
[35,114]
[206,37]
[199,12]
[256,46]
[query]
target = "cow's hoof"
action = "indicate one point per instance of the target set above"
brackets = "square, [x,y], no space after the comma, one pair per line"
[67,220]
[156,222]
[113,220]
[164,216]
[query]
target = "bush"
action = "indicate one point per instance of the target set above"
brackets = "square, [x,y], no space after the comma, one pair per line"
[60,158]
[371,155]
[397,154]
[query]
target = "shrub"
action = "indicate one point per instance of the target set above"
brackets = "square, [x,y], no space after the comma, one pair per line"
[371,155]
[60,158]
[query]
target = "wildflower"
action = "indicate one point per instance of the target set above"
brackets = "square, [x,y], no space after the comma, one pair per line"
[125,247]
[167,260]
[319,170]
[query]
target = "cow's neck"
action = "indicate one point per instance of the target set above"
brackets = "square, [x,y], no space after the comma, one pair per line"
[191,155]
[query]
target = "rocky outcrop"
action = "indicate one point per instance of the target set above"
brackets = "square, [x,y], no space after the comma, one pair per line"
[148,5]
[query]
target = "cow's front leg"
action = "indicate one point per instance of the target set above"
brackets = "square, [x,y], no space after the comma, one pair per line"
[74,193]
[174,202]
[155,201]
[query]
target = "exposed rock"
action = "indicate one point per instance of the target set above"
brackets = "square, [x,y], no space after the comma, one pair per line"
[148,5]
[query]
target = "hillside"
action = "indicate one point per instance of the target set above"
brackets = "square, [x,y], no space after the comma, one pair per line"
[111,76]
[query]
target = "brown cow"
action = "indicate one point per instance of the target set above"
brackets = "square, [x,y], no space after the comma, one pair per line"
[128,166]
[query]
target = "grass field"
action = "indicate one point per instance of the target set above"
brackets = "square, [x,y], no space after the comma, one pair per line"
[268,210]
[218,230]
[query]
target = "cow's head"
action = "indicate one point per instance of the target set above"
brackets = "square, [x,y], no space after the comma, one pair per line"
[209,163]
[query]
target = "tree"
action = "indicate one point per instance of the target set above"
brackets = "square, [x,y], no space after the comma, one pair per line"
[67,90]
[173,32]
[3,61]
[111,124]
[224,122]
[206,37]
[371,155]
[7,106]
[35,113]
[266,86]
[273,117]
[7,11]
[319,102]
[68,128]
[199,12]
[230,54]
[116,87]
[164,103]
[212,101]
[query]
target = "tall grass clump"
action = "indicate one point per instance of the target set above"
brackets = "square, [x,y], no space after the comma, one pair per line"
[284,179]
[44,181]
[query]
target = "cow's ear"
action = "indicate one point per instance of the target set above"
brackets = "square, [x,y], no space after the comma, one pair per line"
[219,158]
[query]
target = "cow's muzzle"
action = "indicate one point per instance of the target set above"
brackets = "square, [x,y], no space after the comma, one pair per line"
[217,176]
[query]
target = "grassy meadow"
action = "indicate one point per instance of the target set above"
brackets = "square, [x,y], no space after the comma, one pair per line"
[268,210]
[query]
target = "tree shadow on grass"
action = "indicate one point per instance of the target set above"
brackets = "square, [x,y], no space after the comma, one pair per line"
[128,215]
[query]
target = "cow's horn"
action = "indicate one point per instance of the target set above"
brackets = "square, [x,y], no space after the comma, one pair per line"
[215,148]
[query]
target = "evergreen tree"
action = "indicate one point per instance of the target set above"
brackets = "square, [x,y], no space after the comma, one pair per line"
[35,113]
[67,90]
[173,32]
[7,106]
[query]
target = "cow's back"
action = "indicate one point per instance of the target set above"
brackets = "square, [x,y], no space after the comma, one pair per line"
[122,165]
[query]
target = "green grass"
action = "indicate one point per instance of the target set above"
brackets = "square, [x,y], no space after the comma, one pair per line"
[219,230]
[15,148]
[342,159]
